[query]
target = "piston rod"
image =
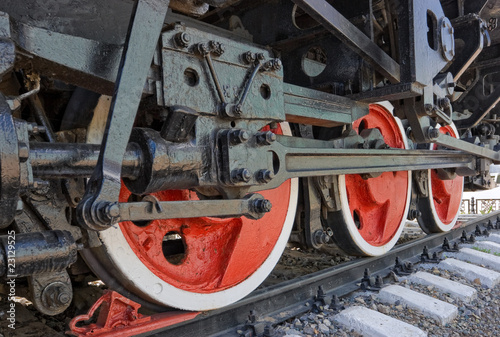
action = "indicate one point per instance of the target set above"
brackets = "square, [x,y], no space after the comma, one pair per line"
[65,160]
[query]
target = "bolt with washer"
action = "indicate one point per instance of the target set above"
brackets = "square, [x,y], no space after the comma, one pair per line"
[182,39]
[265,138]
[241,175]
[265,176]
[262,206]
[238,137]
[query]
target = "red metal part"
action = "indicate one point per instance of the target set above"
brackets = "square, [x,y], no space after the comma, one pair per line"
[447,194]
[218,253]
[379,203]
[119,316]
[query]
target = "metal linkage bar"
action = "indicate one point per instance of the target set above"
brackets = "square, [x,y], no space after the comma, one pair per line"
[254,207]
[292,159]
[144,30]
[344,30]
[308,106]
[308,162]
[453,143]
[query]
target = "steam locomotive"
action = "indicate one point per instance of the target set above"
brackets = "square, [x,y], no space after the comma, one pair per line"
[173,148]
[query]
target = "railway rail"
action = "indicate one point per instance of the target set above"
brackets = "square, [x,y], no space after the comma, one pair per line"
[275,304]
[267,308]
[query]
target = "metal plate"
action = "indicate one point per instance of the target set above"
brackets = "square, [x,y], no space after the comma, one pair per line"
[187,80]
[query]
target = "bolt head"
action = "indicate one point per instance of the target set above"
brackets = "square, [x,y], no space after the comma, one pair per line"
[113,210]
[265,176]
[203,49]
[245,174]
[321,237]
[434,133]
[277,64]
[56,295]
[237,109]
[241,175]
[182,39]
[238,136]
[186,37]
[266,138]
[64,298]
[270,136]
[244,136]
[249,57]
[262,206]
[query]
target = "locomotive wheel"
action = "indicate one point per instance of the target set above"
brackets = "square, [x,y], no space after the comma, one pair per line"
[373,211]
[439,211]
[197,263]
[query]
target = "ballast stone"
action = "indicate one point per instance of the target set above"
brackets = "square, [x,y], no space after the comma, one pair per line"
[454,289]
[471,272]
[438,310]
[371,323]
[474,256]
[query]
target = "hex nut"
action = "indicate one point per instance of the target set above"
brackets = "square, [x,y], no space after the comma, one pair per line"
[182,39]
[262,205]
[241,175]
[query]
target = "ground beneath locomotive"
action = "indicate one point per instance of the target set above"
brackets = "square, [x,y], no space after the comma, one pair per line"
[294,262]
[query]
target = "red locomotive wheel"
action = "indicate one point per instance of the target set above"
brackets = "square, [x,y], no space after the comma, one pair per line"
[439,211]
[198,263]
[373,210]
